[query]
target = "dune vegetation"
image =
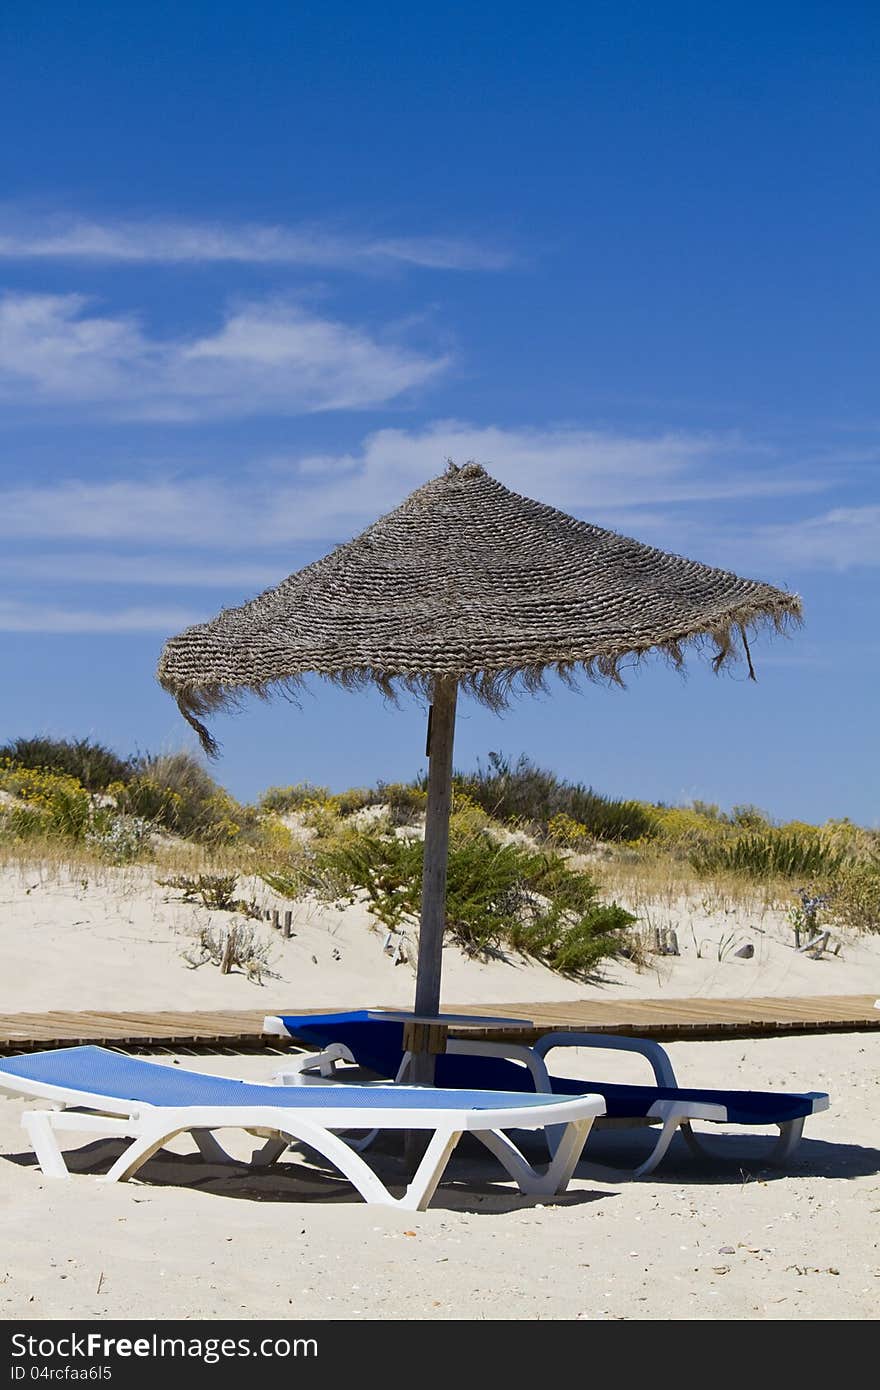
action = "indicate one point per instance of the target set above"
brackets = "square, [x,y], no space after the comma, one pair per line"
[537,864]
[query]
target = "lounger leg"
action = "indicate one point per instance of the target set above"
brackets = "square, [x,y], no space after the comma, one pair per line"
[42,1127]
[424,1181]
[360,1144]
[431,1168]
[429,1172]
[556,1176]
[137,1153]
[266,1156]
[789,1138]
[339,1153]
[269,1153]
[664,1139]
[272,1151]
[690,1138]
[567,1154]
[38,1127]
[209,1148]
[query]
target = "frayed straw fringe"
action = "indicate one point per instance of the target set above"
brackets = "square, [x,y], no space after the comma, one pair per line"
[497,689]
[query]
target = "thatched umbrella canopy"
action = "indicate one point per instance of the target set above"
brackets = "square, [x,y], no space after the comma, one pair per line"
[465,584]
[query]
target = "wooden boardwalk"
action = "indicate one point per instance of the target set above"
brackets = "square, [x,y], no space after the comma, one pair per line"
[666,1019]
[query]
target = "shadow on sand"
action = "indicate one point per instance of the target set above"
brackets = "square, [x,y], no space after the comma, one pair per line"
[473,1181]
[727,1158]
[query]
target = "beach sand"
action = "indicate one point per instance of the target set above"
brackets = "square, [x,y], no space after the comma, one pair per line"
[726,1238]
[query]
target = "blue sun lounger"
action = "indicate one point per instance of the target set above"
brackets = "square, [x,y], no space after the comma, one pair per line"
[96,1091]
[364,1038]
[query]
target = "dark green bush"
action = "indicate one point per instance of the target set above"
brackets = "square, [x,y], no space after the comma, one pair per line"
[93,765]
[174,790]
[24,823]
[406,801]
[355,799]
[748,817]
[497,896]
[768,854]
[280,800]
[524,792]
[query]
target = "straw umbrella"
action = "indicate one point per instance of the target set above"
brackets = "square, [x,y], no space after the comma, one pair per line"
[465,585]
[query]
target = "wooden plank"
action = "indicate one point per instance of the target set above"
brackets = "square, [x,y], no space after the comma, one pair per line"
[659,1018]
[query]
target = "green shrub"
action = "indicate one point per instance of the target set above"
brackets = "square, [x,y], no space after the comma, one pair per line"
[118,838]
[62,803]
[497,896]
[406,801]
[57,805]
[565,830]
[70,812]
[383,865]
[91,764]
[748,817]
[355,799]
[214,891]
[23,823]
[175,791]
[466,817]
[281,800]
[856,898]
[682,831]
[772,853]
[524,792]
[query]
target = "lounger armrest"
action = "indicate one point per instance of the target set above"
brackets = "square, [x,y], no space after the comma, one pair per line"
[511,1052]
[275,1027]
[314,1066]
[655,1055]
[508,1052]
[821,1100]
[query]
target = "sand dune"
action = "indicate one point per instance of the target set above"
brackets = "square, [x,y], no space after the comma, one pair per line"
[727,1239]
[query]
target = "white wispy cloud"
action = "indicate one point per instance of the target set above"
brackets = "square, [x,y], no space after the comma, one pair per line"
[840,539]
[604,476]
[843,538]
[44,617]
[266,357]
[169,241]
[158,513]
[633,484]
[147,569]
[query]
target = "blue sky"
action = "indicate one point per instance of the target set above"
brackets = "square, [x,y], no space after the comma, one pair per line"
[264,268]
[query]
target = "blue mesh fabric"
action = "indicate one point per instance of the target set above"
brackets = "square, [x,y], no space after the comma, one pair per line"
[743,1107]
[99,1071]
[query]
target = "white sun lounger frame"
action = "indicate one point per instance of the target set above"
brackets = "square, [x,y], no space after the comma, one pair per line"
[150,1127]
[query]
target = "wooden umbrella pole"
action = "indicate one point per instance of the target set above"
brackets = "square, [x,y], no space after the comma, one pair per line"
[433,917]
